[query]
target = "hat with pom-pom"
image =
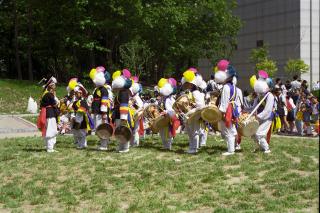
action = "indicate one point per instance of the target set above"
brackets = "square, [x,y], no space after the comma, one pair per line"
[263,74]
[121,79]
[72,83]
[223,65]
[165,87]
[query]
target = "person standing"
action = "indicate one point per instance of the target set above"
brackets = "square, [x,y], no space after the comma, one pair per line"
[101,103]
[226,75]
[47,120]
[81,124]
[265,113]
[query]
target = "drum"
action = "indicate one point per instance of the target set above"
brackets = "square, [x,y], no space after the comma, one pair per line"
[123,133]
[186,108]
[150,113]
[104,131]
[160,122]
[248,127]
[211,114]
[183,104]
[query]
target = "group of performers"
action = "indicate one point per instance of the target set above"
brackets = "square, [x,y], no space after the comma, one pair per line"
[116,109]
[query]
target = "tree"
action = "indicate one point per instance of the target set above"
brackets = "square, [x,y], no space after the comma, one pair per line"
[261,59]
[296,67]
[268,65]
[136,55]
[68,38]
[258,55]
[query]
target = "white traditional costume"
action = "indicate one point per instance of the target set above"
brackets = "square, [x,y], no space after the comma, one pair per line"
[195,127]
[47,120]
[226,75]
[265,113]
[167,89]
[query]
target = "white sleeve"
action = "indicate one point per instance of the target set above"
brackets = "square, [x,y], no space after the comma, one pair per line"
[198,98]
[225,97]
[266,113]
[292,103]
[168,105]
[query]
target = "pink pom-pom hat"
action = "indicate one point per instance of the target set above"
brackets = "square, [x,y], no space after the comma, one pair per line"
[193,69]
[100,69]
[223,65]
[173,82]
[126,73]
[263,74]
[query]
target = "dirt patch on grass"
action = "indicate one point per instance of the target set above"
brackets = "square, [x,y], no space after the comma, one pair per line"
[236,180]
[231,167]
[302,173]
[293,158]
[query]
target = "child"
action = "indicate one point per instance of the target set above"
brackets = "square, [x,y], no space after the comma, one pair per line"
[80,120]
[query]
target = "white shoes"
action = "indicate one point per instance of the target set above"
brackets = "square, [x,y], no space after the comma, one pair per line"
[238,147]
[101,148]
[51,150]
[267,151]
[123,151]
[228,153]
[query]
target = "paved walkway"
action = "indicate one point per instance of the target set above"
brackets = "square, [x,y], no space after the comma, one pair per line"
[14,126]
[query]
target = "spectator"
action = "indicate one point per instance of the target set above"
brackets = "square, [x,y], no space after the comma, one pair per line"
[295,83]
[290,116]
[315,109]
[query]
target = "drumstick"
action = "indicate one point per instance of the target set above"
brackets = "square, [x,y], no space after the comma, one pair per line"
[256,108]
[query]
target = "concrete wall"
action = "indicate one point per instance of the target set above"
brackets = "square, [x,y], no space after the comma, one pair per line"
[307,41]
[279,23]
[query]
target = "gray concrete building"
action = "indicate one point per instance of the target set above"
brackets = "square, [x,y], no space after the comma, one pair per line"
[284,25]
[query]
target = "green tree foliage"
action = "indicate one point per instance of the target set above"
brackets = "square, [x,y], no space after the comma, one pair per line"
[67,38]
[136,56]
[268,65]
[296,66]
[258,55]
[261,59]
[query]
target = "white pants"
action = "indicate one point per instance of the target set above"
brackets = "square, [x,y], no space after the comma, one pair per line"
[97,118]
[166,138]
[123,144]
[80,137]
[193,129]
[135,134]
[229,135]
[261,134]
[203,134]
[51,132]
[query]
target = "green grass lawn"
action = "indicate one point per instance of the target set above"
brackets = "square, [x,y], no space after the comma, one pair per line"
[150,180]
[14,95]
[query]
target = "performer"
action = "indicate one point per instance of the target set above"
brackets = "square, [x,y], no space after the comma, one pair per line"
[65,107]
[167,89]
[47,120]
[102,100]
[137,105]
[265,113]
[226,75]
[81,121]
[192,81]
[121,115]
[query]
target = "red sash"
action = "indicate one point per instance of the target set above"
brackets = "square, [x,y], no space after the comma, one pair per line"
[175,123]
[141,127]
[42,121]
